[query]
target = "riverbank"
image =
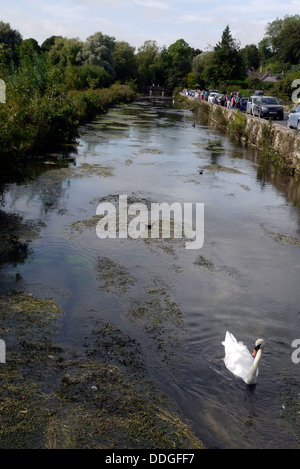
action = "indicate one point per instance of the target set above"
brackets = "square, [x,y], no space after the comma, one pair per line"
[32,124]
[277,144]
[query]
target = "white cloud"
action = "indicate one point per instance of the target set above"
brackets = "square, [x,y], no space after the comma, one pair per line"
[152,4]
[199,22]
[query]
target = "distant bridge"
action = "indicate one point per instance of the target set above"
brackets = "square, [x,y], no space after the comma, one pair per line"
[153,89]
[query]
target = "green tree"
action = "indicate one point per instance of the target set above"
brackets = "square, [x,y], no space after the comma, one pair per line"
[251,56]
[29,47]
[146,56]
[49,42]
[227,62]
[64,51]
[162,67]
[265,50]
[201,61]
[181,55]
[12,40]
[86,76]
[125,61]
[99,50]
[284,36]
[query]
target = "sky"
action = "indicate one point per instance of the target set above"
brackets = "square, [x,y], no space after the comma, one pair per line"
[199,22]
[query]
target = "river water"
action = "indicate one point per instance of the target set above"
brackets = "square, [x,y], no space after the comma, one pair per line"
[177,303]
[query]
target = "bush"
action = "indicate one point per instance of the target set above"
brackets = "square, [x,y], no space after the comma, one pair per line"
[86,76]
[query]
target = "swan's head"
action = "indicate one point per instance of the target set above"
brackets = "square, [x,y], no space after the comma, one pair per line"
[259,345]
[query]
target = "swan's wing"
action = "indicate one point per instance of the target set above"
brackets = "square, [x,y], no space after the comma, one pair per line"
[231,344]
[237,358]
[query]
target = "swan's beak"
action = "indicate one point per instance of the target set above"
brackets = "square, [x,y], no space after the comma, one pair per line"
[255,351]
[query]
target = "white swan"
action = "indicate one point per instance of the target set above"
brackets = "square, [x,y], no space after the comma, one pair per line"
[238,359]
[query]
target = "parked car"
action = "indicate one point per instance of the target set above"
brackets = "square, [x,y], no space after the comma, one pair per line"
[258,93]
[211,97]
[220,99]
[268,106]
[293,119]
[243,104]
[250,103]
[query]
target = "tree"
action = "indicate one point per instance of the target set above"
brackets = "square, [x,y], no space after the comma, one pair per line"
[99,50]
[64,51]
[201,61]
[251,56]
[29,47]
[12,40]
[227,63]
[284,36]
[181,55]
[162,66]
[125,61]
[48,43]
[265,50]
[86,76]
[146,56]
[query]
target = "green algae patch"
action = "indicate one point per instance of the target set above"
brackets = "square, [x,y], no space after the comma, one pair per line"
[80,226]
[289,411]
[111,403]
[204,263]
[157,312]
[98,397]
[28,325]
[85,170]
[280,237]
[220,168]
[153,151]
[113,277]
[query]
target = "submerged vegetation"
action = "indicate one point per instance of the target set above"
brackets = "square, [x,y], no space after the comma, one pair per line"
[53,398]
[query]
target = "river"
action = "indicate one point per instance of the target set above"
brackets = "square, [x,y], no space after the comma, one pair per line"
[176,302]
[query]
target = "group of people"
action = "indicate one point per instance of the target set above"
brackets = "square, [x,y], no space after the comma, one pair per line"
[231,100]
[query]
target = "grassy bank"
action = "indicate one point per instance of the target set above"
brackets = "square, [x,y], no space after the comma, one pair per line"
[31,122]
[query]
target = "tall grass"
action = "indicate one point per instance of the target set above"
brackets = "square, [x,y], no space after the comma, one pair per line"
[31,121]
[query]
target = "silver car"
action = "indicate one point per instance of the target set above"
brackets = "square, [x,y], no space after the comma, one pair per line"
[293,119]
[251,101]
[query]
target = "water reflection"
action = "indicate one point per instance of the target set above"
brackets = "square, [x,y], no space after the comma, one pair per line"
[176,303]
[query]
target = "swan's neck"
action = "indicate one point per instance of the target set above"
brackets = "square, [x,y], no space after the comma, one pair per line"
[251,377]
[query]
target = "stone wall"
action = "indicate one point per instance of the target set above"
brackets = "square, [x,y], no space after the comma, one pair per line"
[277,143]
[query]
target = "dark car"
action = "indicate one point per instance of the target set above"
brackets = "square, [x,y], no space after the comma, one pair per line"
[268,106]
